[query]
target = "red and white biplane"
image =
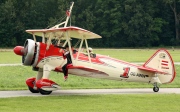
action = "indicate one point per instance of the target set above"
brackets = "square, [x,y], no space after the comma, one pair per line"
[46,57]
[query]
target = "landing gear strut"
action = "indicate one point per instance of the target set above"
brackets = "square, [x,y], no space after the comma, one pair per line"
[155,88]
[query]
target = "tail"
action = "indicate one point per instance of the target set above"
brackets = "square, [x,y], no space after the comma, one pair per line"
[162,61]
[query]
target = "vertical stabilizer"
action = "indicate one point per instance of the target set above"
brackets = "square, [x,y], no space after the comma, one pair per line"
[162,61]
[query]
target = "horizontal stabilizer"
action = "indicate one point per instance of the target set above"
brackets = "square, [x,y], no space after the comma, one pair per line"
[152,70]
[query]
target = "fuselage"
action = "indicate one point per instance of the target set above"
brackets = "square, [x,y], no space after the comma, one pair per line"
[113,68]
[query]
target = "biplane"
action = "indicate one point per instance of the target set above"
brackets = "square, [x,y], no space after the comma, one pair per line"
[45,57]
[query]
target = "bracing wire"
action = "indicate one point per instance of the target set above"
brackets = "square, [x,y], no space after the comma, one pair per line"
[56,22]
[77,43]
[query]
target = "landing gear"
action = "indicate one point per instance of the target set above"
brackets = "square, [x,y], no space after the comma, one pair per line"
[43,92]
[31,84]
[155,88]
[46,86]
[33,90]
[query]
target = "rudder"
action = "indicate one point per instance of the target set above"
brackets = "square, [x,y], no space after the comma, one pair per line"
[162,61]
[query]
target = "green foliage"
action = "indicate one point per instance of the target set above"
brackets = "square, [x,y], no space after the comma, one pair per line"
[121,23]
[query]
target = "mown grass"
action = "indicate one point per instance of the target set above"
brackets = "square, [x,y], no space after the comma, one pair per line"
[13,78]
[135,55]
[130,55]
[93,103]
[7,57]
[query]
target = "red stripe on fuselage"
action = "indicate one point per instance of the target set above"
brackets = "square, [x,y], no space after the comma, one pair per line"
[54,51]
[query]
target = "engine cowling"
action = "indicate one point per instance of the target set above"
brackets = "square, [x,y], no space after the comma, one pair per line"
[30,49]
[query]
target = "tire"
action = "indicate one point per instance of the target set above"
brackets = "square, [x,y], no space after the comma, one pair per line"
[33,90]
[155,89]
[43,92]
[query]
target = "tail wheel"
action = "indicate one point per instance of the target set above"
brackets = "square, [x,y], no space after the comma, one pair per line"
[33,90]
[155,89]
[43,92]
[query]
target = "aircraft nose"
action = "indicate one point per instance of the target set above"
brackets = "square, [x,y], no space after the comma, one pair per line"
[19,50]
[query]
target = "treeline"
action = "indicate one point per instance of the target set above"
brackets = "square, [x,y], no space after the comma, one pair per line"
[121,23]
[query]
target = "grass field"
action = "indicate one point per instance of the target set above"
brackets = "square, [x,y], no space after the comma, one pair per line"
[130,55]
[93,103]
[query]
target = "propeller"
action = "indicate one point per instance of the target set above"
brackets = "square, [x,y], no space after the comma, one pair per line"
[29,52]
[25,51]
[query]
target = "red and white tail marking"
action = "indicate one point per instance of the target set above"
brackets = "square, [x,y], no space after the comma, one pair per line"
[161,60]
[164,64]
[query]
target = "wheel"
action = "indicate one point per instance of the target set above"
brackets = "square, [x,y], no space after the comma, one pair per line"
[43,92]
[33,90]
[155,89]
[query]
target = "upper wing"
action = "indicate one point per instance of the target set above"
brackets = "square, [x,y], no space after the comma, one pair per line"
[72,31]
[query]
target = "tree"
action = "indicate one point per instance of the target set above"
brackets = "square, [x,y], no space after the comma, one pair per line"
[7,26]
[175,6]
[140,24]
[18,16]
[121,23]
[107,22]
